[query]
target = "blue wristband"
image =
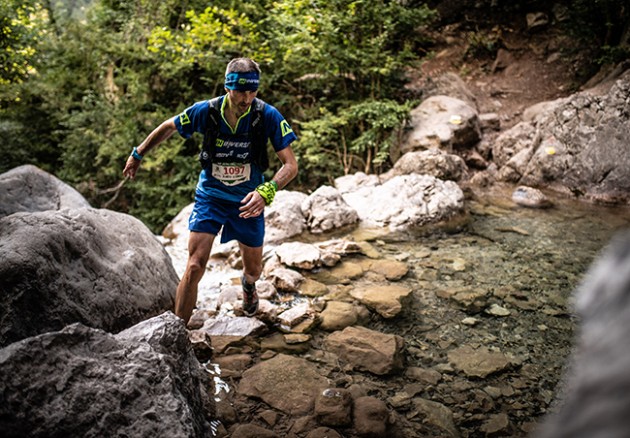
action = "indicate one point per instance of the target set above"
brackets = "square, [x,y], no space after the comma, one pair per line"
[136,154]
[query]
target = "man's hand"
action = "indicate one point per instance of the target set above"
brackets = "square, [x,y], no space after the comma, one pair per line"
[254,205]
[131,167]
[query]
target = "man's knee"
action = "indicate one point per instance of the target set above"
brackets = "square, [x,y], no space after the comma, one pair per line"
[253,271]
[196,266]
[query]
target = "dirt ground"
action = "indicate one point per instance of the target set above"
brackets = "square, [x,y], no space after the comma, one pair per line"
[507,67]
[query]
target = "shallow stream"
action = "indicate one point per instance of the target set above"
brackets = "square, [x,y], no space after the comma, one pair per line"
[525,264]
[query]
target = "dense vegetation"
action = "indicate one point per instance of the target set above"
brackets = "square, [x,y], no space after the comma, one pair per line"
[83,81]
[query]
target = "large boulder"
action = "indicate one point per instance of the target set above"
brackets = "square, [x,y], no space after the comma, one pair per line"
[97,267]
[441,122]
[434,162]
[80,381]
[575,145]
[30,189]
[405,201]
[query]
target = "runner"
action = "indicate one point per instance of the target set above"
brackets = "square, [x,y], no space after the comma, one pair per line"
[231,193]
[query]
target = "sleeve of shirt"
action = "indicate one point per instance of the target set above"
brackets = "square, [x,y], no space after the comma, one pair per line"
[278,129]
[192,119]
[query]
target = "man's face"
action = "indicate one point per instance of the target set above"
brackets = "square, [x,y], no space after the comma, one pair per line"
[241,100]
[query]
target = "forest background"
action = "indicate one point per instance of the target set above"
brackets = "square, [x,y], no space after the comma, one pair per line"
[84,81]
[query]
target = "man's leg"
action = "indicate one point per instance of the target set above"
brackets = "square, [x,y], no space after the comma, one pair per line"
[252,262]
[199,246]
[252,268]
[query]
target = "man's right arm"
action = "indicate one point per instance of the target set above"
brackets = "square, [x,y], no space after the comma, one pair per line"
[157,136]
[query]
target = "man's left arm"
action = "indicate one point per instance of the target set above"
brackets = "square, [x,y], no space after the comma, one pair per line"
[289,168]
[254,204]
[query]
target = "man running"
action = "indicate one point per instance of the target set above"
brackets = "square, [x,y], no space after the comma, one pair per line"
[231,193]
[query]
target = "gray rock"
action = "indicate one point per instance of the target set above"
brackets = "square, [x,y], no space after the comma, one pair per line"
[326,210]
[30,189]
[434,162]
[286,280]
[284,218]
[299,255]
[80,381]
[441,122]
[407,201]
[578,145]
[240,326]
[97,267]
[530,197]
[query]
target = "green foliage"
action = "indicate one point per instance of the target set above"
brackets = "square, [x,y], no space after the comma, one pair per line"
[603,26]
[355,138]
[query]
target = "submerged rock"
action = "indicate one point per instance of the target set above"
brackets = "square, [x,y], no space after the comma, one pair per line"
[530,197]
[367,349]
[286,383]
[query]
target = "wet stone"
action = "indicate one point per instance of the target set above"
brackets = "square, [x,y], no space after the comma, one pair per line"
[323,432]
[370,417]
[436,415]
[478,363]
[496,425]
[313,288]
[338,315]
[347,271]
[367,349]
[233,326]
[496,310]
[299,255]
[286,383]
[393,270]
[385,299]
[333,407]
[252,431]
[294,315]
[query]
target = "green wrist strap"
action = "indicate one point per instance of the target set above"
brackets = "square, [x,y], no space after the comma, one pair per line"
[268,191]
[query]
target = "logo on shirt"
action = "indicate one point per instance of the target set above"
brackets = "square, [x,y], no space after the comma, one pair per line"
[285,128]
[183,119]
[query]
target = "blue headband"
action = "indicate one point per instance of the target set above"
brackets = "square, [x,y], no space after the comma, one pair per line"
[242,81]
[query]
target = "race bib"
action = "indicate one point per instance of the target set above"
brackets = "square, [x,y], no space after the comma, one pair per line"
[231,174]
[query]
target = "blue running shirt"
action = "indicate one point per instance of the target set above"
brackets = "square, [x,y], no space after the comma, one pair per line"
[233,175]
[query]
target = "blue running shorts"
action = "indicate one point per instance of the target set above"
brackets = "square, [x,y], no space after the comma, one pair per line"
[210,214]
